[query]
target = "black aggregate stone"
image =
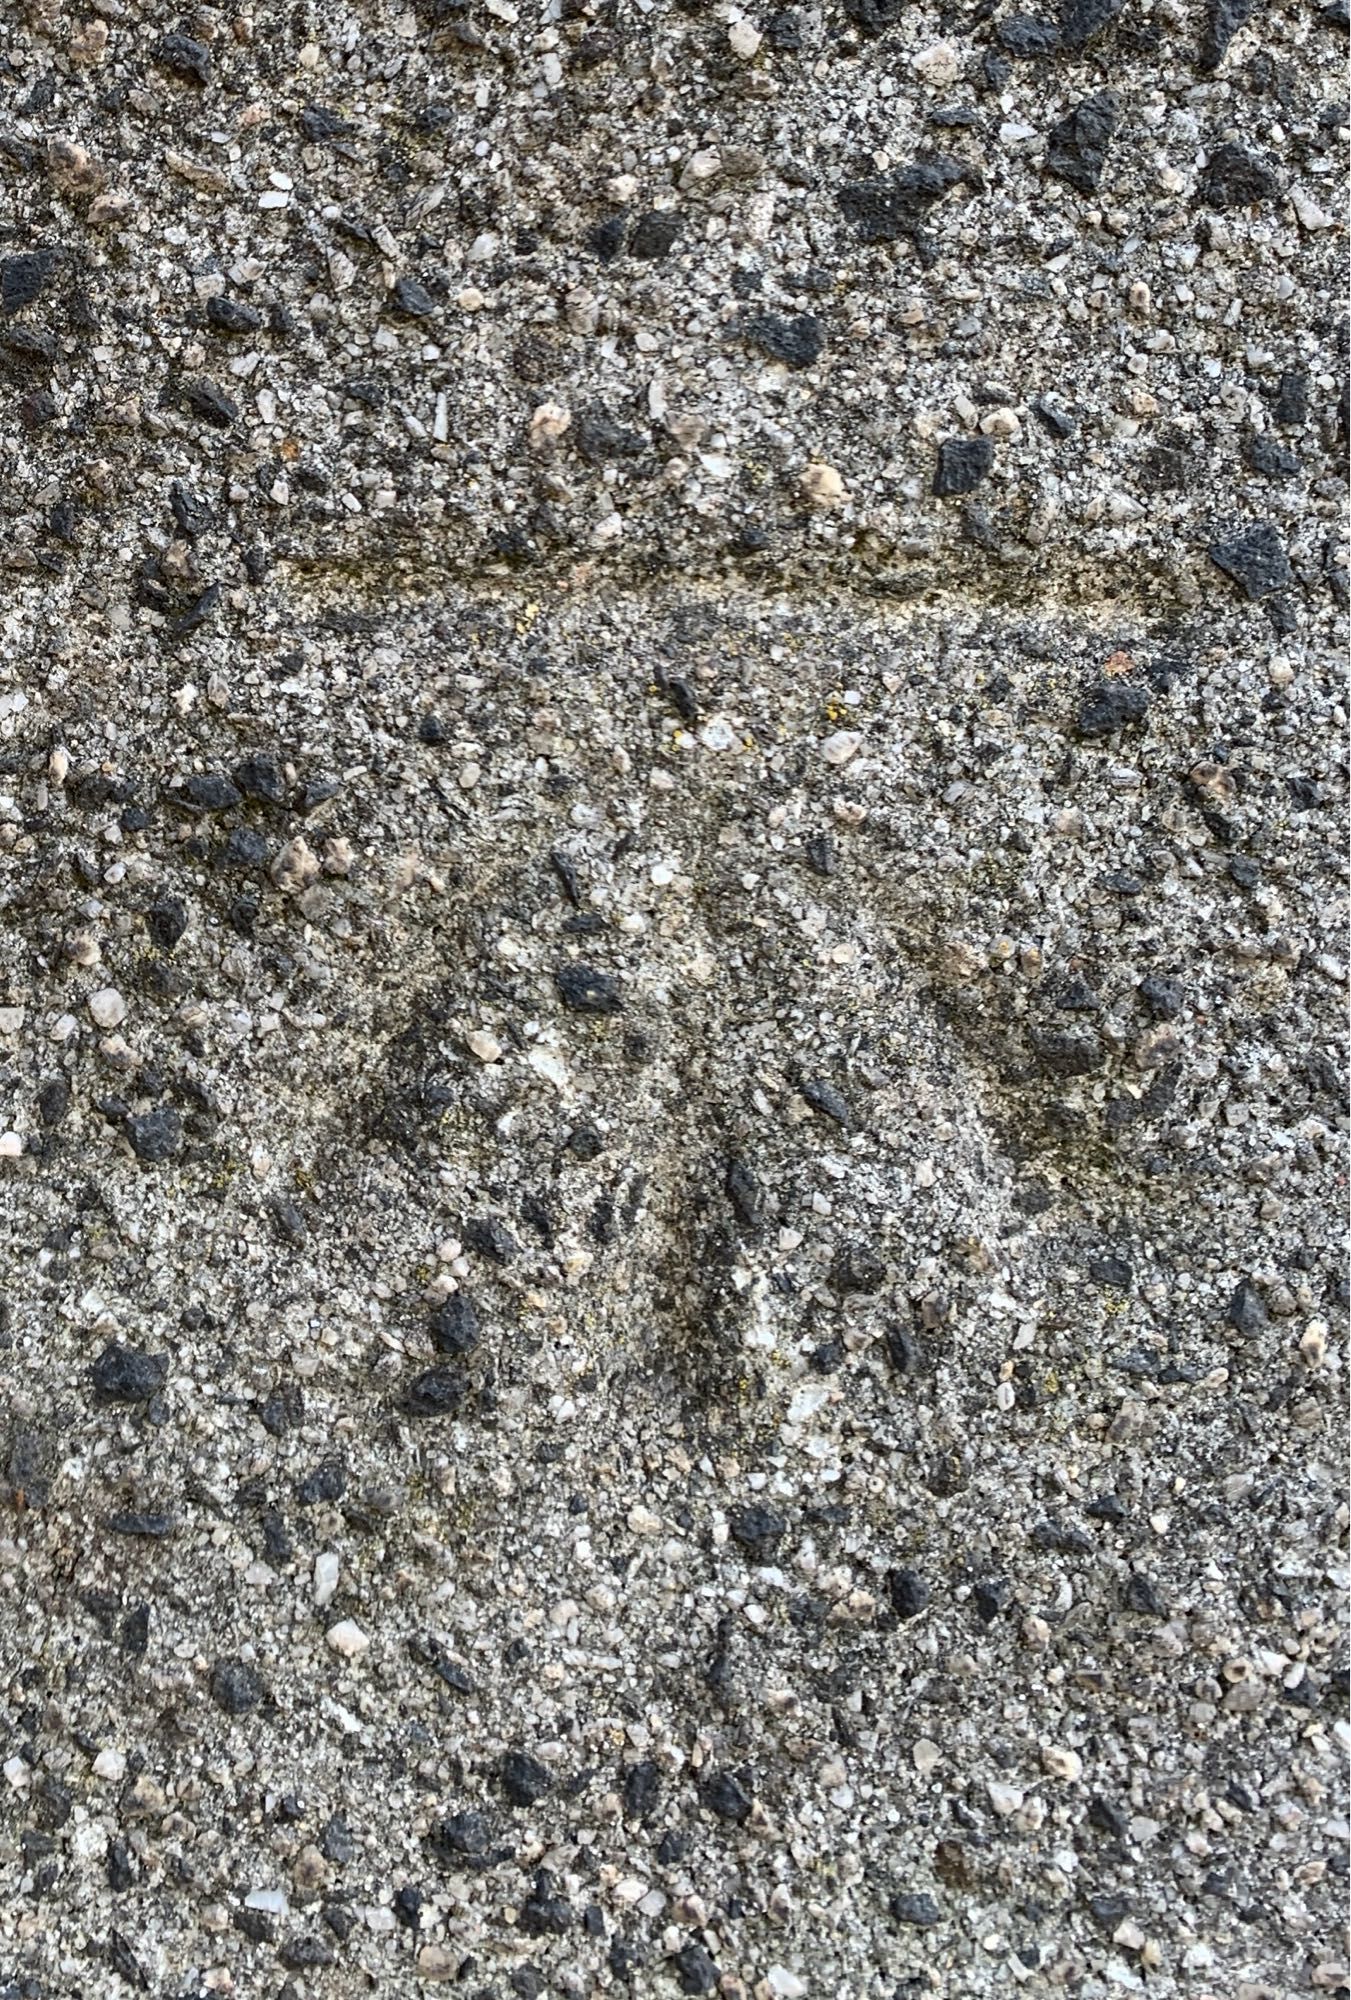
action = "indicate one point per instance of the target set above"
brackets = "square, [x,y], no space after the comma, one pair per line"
[211,404]
[412,299]
[1082,21]
[306,1953]
[128,1374]
[1141,1595]
[1269,457]
[151,1527]
[455,1326]
[29,1467]
[524,1780]
[758,1529]
[1057,423]
[1108,1817]
[745,1194]
[1165,997]
[1063,1054]
[38,409]
[825,1098]
[229,315]
[991,1596]
[209,792]
[1023,35]
[337,1843]
[642,1788]
[28,344]
[134,1637]
[436,1392]
[545,1913]
[856,1267]
[182,56]
[1255,558]
[408,1902]
[1062,1537]
[156,1136]
[318,123]
[53,1100]
[903,1351]
[599,438]
[61,522]
[655,233]
[166,921]
[962,465]
[727,1795]
[245,850]
[907,1592]
[607,238]
[236,1686]
[1076,148]
[587,991]
[191,513]
[124,1962]
[798,343]
[695,1970]
[196,614]
[1235,179]
[893,206]
[874,17]
[1074,995]
[1110,706]
[327,1482]
[464,1834]
[260,778]
[429,1654]
[23,277]
[1223,20]
[288,1219]
[1247,1312]
[1290,405]
[490,1237]
[919,1910]
[277,1544]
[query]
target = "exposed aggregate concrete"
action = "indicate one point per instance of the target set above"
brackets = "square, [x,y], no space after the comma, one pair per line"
[672,993]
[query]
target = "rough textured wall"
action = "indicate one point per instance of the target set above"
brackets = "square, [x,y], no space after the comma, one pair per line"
[673,962]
